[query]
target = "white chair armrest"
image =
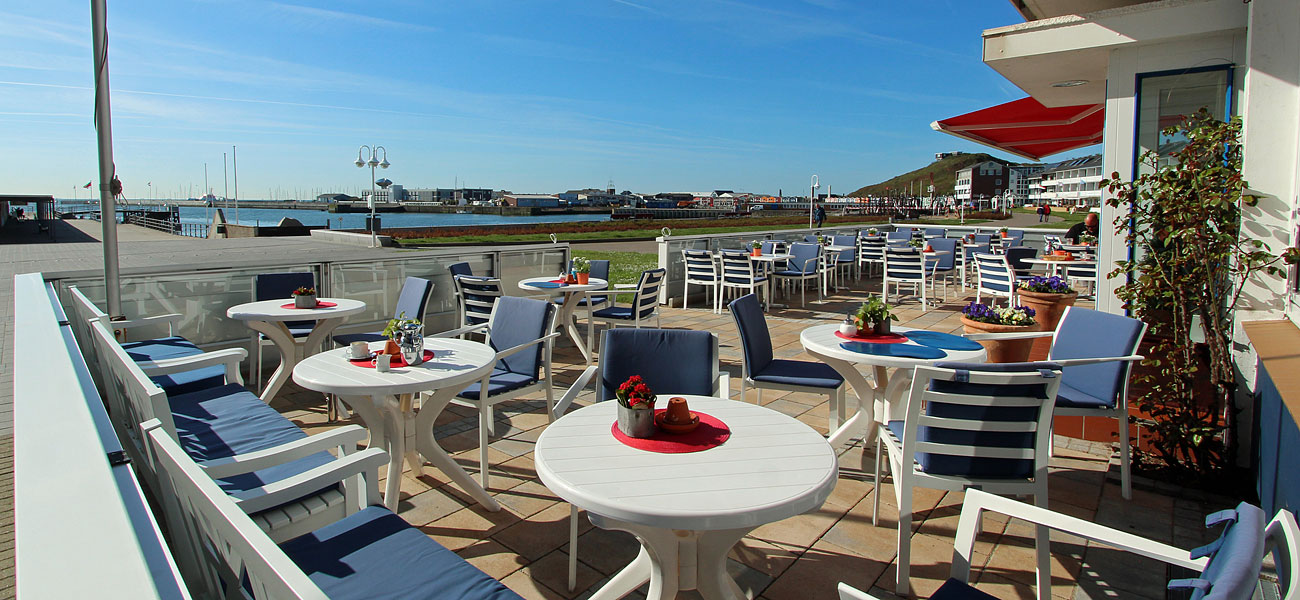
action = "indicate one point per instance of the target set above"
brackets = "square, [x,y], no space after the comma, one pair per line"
[170,320]
[978,502]
[508,351]
[625,286]
[166,366]
[273,494]
[724,385]
[571,394]
[848,592]
[278,455]
[976,337]
[1075,362]
[459,332]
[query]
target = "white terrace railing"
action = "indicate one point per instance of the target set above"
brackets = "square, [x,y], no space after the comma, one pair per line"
[83,528]
[671,246]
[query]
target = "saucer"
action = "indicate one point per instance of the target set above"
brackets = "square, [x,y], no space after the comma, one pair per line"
[677,428]
[349,358]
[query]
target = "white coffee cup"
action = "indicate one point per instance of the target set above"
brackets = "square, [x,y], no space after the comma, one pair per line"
[384,363]
[359,350]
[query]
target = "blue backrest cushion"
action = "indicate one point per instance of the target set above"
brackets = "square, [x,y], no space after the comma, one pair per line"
[460,268]
[754,336]
[935,232]
[272,286]
[414,298]
[1017,254]
[599,270]
[646,299]
[811,239]
[983,238]
[672,361]
[1087,333]
[949,245]
[895,236]
[518,321]
[769,247]
[803,257]
[940,464]
[1235,558]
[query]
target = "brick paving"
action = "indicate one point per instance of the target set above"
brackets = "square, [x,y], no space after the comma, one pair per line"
[525,544]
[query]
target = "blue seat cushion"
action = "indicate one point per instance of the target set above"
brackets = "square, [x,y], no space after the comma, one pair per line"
[1069,397]
[592,300]
[184,382]
[794,273]
[296,328]
[798,372]
[346,339]
[958,590]
[376,554]
[615,312]
[1234,559]
[160,348]
[991,285]
[501,381]
[746,280]
[225,421]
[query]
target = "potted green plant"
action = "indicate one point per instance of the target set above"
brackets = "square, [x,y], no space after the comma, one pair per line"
[915,243]
[1087,239]
[304,297]
[1048,296]
[1002,231]
[978,317]
[636,408]
[582,269]
[874,315]
[393,331]
[756,248]
[873,231]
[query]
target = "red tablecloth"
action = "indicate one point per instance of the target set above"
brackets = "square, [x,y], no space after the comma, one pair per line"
[710,433]
[319,304]
[871,338]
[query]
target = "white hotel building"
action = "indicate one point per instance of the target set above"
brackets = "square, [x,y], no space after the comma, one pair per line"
[1074,182]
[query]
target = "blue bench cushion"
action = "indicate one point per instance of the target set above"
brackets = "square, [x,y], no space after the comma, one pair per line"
[176,347]
[798,372]
[376,554]
[501,381]
[224,421]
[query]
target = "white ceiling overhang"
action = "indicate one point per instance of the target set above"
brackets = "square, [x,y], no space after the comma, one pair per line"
[1037,54]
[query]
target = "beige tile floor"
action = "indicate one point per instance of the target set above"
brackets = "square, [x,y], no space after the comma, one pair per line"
[525,544]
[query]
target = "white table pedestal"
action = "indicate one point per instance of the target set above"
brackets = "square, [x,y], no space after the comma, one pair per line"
[673,560]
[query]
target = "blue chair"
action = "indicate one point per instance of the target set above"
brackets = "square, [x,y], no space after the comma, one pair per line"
[271,286]
[898,239]
[476,297]
[599,270]
[935,232]
[1228,568]
[968,252]
[741,273]
[904,266]
[871,254]
[411,304]
[995,277]
[460,268]
[701,270]
[983,426]
[522,332]
[1013,238]
[983,239]
[1016,256]
[810,239]
[761,371]
[804,263]
[671,361]
[943,264]
[644,305]
[845,259]
[909,232]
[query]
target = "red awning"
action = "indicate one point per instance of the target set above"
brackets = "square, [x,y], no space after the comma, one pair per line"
[1026,128]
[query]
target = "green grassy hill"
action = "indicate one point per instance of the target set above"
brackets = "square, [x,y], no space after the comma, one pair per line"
[944,172]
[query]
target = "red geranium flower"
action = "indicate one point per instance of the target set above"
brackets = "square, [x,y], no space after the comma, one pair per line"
[642,390]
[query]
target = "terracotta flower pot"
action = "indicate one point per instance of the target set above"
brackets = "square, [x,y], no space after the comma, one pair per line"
[583,278]
[756,252]
[1047,312]
[1002,351]
[392,347]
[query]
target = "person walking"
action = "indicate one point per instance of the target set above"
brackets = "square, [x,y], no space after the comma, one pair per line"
[1040,214]
[819,216]
[1047,211]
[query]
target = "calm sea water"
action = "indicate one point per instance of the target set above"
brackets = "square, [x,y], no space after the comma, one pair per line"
[249,215]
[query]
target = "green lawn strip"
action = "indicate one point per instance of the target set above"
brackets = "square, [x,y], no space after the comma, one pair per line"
[624,234]
[624,267]
[1066,221]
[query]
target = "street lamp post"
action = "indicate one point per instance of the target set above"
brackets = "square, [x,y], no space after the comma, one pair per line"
[373,162]
[812,201]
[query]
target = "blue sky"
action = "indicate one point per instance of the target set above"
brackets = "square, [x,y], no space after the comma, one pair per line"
[530,96]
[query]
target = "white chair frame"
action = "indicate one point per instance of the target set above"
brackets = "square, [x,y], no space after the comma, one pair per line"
[907,473]
[464,303]
[641,290]
[918,283]
[741,266]
[693,273]
[803,278]
[988,263]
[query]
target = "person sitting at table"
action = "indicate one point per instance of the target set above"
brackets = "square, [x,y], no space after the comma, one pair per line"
[1089,226]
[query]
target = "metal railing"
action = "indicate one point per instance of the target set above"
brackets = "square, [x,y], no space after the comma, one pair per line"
[82,526]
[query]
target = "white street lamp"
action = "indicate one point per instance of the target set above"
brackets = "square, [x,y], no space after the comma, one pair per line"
[812,201]
[373,162]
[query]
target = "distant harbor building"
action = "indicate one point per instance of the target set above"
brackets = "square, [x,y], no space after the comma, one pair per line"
[531,200]
[458,196]
[590,197]
[325,198]
[1021,176]
[1075,182]
[943,155]
[982,180]
[382,196]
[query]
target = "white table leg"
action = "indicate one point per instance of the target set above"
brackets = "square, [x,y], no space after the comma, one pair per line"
[674,560]
[284,343]
[428,446]
[569,322]
[871,400]
[395,424]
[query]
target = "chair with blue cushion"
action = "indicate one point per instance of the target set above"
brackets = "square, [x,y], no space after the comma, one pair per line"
[1016,256]
[1226,569]
[898,239]
[871,254]
[945,264]
[369,553]
[671,361]
[904,266]
[287,481]
[701,270]
[1097,350]
[460,268]
[477,297]
[935,232]
[761,371]
[984,426]
[995,278]
[272,286]
[907,232]
[845,259]
[644,306]
[412,303]
[741,273]
[1013,238]
[804,263]
[522,332]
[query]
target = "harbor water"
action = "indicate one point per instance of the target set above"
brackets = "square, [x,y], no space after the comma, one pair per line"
[248,214]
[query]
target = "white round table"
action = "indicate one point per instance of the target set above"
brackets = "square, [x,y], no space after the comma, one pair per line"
[687,510]
[566,319]
[268,318]
[384,401]
[879,399]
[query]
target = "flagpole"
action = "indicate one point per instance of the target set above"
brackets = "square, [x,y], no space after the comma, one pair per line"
[104,135]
